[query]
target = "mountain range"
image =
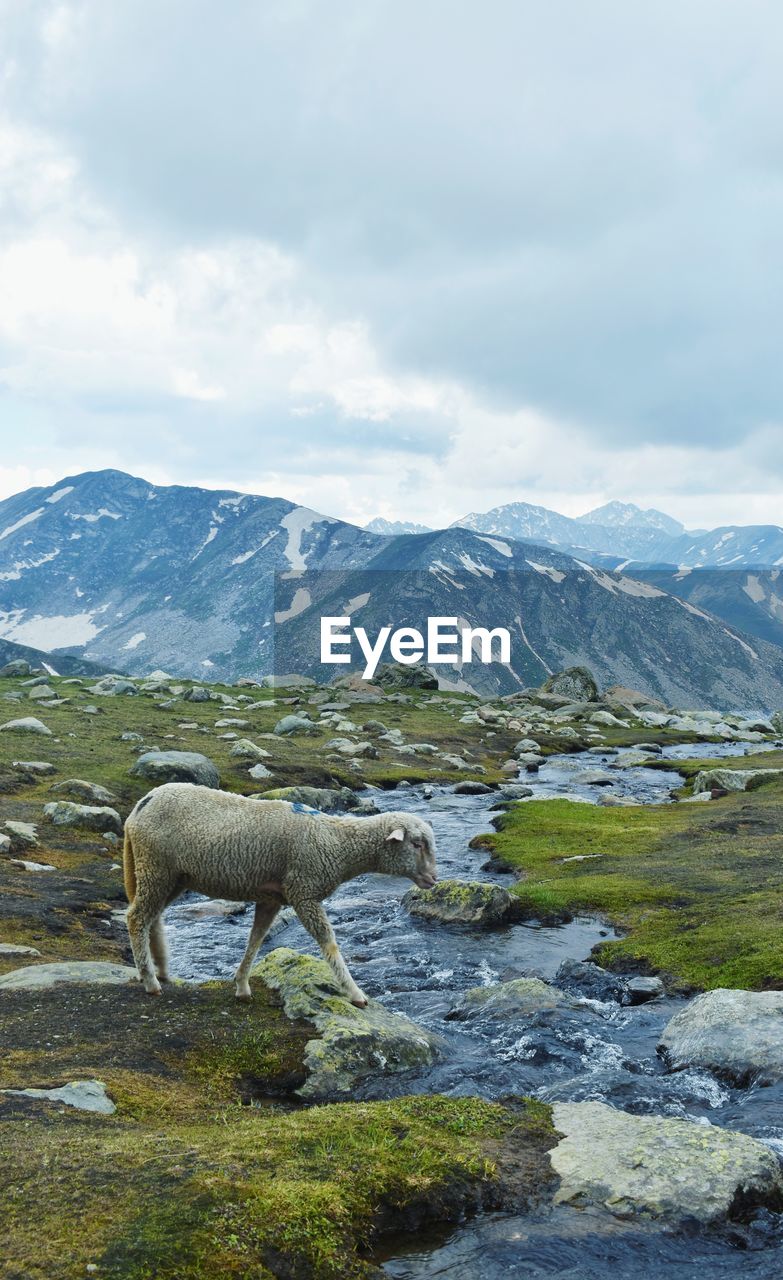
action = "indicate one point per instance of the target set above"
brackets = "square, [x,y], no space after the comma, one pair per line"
[109,568]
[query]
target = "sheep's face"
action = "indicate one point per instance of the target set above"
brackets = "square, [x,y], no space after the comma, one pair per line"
[409,850]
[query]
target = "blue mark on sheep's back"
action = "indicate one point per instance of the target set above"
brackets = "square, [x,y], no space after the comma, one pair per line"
[298,807]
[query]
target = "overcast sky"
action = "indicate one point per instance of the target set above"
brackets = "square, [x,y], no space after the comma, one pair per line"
[399,257]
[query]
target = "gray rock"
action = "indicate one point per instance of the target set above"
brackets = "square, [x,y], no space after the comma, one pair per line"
[19,667]
[356,1046]
[67,813]
[733,779]
[89,791]
[12,950]
[231,722]
[645,989]
[244,749]
[27,724]
[520,998]
[415,676]
[583,978]
[128,736]
[656,1167]
[738,1034]
[24,865]
[259,771]
[23,834]
[343,800]
[515,791]
[575,683]
[66,972]
[41,767]
[85,1095]
[463,902]
[291,726]
[288,681]
[196,694]
[177,766]
[42,691]
[472,789]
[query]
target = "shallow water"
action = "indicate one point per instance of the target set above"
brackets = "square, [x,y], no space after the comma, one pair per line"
[596,1051]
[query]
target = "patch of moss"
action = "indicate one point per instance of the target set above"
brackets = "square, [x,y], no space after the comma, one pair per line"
[251,1193]
[698,888]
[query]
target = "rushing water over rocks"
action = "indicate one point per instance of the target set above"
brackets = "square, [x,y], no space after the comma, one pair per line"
[581,1051]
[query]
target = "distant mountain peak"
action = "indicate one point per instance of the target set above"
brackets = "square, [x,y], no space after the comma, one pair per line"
[394,528]
[620,515]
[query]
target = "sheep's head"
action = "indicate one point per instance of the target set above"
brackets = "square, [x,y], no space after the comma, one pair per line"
[409,850]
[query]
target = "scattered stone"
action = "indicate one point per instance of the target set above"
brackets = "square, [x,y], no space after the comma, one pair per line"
[515,791]
[288,681]
[24,865]
[231,723]
[653,1166]
[343,800]
[89,791]
[12,950]
[291,726]
[737,1034]
[28,724]
[131,737]
[67,813]
[472,789]
[85,1095]
[42,691]
[23,834]
[66,972]
[177,766]
[196,694]
[244,749]
[357,1046]
[40,767]
[520,998]
[259,771]
[463,902]
[643,989]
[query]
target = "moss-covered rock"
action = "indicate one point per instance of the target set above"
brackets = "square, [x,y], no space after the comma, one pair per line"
[463,902]
[356,1046]
[519,998]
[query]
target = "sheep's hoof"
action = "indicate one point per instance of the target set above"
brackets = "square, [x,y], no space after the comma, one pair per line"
[361,1004]
[244,996]
[154,991]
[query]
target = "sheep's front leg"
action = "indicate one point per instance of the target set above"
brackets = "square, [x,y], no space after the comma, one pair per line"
[266,910]
[316,922]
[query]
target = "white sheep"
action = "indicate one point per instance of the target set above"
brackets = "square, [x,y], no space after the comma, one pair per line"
[270,852]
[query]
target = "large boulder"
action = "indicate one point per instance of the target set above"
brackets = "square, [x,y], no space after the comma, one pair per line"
[463,902]
[67,813]
[177,766]
[576,683]
[18,667]
[28,724]
[738,1034]
[656,1167]
[415,676]
[65,972]
[733,779]
[356,1046]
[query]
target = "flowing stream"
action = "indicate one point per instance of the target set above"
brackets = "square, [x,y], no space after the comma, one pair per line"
[597,1051]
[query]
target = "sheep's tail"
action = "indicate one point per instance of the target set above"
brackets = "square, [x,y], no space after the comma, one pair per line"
[129,867]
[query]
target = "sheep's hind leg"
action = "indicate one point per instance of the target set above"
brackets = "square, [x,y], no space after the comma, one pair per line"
[143,918]
[159,950]
[266,910]
[316,922]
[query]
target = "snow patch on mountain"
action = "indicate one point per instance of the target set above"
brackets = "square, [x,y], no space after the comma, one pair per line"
[28,519]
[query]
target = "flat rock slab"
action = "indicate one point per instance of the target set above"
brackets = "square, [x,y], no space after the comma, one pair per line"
[37,976]
[655,1167]
[738,1034]
[357,1045]
[463,902]
[733,779]
[10,950]
[85,1095]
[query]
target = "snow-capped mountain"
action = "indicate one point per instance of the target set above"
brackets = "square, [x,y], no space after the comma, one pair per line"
[136,576]
[392,528]
[622,534]
[622,515]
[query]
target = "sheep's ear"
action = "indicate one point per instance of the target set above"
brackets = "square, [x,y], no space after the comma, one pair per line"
[396,834]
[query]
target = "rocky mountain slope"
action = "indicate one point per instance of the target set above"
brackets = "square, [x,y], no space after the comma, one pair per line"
[135,576]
